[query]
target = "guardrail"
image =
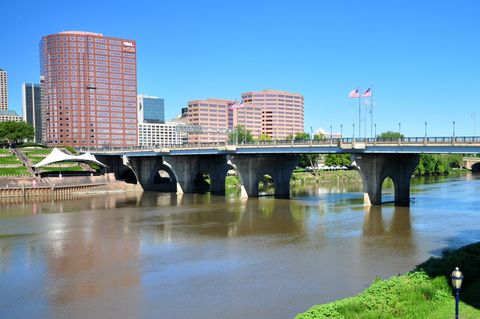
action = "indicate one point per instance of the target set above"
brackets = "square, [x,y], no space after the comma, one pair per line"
[404,141]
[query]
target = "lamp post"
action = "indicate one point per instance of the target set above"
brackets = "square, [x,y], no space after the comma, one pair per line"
[425,130]
[457,278]
[311,134]
[400,128]
[353,131]
[331,132]
[453,130]
[341,130]
[375,127]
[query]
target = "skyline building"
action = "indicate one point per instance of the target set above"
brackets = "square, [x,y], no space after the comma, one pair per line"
[151,109]
[9,116]
[89,89]
[211,116]
[271,112]
[282,112]
[32,108]
[152,129]
[3,90]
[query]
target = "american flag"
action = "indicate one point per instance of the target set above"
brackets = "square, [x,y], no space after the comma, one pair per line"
[354,94]
[235,106]
[367,93]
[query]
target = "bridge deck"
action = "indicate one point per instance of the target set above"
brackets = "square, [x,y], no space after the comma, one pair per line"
[415,145]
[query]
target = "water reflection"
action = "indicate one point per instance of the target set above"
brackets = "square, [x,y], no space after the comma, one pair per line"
[375,225]
[156,255]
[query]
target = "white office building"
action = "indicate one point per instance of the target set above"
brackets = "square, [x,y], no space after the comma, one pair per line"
[160,135]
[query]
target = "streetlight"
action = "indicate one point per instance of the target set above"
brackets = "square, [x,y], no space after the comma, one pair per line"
[331,132]
[311,133]
[341,130]
[353,131]
[457,278]
[400,128]
[454,130]
[375,126]
[425,130]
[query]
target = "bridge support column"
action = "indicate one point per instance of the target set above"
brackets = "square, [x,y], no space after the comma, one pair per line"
[374,168]
[253,167]
[187,167]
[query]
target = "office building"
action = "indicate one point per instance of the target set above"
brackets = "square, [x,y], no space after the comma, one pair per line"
[211,115]
[248,115]
[89,90]
[3,90]
[160,134]
[281,112]
[151,109]
[9,116]
[32,108]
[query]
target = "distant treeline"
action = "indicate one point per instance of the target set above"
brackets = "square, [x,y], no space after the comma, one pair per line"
[438,164]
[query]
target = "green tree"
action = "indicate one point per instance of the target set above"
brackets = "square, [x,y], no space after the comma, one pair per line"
[390,135]
[318,136]
[438,164]
[240,134]
[14,133]
[338,160]
[299,136]
[264,137]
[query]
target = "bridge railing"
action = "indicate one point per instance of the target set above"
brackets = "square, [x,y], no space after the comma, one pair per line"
[312,142]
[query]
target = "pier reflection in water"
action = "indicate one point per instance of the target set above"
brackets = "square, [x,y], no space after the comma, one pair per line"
[157,255]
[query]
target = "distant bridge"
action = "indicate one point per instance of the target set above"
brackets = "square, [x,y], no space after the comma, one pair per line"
[183,164]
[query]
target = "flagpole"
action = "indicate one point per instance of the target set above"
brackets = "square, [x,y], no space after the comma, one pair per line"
[359,116]
[371,111]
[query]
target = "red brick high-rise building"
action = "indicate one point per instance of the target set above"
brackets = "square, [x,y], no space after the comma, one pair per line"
[89,88]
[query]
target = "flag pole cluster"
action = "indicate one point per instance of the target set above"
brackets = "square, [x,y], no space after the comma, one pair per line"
[355,94]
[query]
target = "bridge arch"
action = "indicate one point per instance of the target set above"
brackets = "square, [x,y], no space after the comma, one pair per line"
[162,178]
[202,182]
[476,167]
[266,185]
[127,175]
[387,190]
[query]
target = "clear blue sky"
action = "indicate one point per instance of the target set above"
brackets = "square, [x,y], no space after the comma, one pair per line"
[422,57]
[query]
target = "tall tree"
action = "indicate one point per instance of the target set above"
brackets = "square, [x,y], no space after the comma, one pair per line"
[14,133]
[390,135]
[240,134]
[264,137]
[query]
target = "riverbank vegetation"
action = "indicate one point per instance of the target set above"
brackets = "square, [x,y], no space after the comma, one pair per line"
[423,293]
[438,164]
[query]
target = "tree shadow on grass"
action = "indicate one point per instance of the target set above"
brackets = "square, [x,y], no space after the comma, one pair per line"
[467,259]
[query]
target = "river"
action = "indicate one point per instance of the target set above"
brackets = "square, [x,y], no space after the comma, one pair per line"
[157,255]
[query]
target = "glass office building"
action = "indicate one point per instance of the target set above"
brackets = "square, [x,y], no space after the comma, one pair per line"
[151,109]
[32,108]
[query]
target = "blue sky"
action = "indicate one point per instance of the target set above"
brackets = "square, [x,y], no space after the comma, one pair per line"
[422,57]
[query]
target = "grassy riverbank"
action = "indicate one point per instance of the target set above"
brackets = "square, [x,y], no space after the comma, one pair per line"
[423,293]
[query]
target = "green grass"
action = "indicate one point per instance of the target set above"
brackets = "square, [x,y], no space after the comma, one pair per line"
[9,160]
[30,152]
[422,293]
[14,171]
[5,151]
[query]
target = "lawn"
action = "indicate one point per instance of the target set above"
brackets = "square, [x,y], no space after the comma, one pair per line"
[14,171]
[9,160]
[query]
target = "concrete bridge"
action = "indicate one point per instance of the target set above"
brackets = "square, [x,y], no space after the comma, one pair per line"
[177,168]
[472,163]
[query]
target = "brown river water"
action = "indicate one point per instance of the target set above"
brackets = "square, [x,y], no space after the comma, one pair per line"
[157,255]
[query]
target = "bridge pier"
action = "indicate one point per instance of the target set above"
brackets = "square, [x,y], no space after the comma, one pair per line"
[251,168]
[187,167]
[375,168]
